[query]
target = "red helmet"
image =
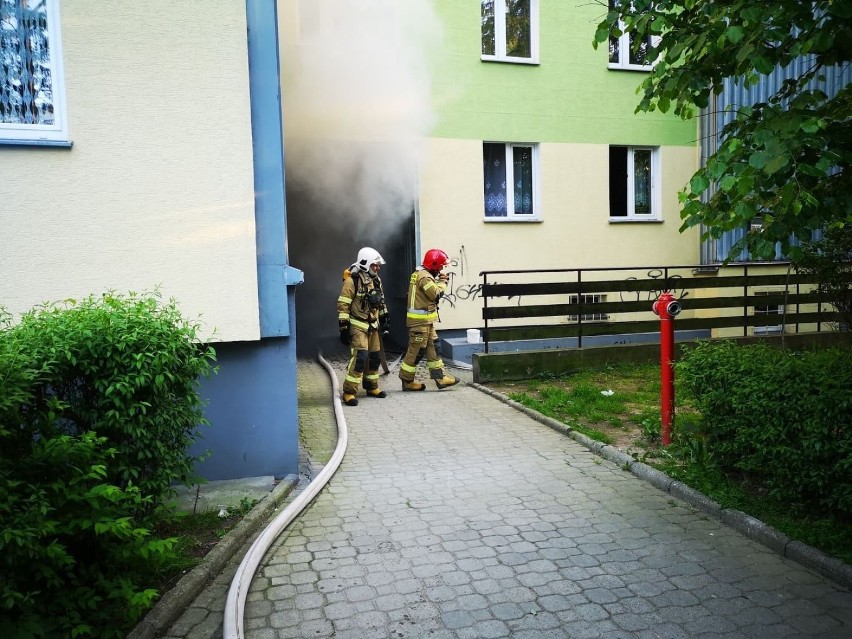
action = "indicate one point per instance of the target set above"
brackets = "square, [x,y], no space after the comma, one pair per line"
[435,259]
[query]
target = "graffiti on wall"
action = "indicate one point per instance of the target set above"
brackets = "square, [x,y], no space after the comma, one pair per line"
[464,284]
[654,274]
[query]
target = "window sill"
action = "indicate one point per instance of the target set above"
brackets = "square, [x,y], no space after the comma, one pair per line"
[633,220]
[630,67]
[55,143]
[528,61]
[505,220]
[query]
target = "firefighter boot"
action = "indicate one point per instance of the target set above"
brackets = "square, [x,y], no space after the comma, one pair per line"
[349,399]
[375,392]
[413,385]
[446,381]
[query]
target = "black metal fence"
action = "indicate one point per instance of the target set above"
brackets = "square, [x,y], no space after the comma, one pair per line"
[578,303]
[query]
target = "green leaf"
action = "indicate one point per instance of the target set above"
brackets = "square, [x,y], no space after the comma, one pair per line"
[734,34]
[812,125]
[763,65]
[698,184]
[758,160]
[728,183]
[775,164]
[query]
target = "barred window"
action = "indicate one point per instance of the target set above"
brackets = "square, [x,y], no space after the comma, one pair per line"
[588,299]
[770,315]
[32,108]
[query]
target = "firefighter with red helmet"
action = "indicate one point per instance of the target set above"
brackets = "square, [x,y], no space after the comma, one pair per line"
[361,314]
[425,289]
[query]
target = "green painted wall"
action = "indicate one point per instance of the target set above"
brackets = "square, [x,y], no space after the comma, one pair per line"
[570,96]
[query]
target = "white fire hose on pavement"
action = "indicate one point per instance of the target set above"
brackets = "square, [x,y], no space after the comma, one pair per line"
[236,601]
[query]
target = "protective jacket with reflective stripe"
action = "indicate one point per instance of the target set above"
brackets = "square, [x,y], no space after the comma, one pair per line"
[424,291]
[353,304]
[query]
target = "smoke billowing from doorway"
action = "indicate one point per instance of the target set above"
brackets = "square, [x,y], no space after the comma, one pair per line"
[356,96]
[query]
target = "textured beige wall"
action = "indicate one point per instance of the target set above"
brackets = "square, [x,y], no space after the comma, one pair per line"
[575,231]
[158,187]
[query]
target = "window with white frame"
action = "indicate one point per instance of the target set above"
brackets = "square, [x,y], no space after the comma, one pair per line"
[634,183]
[768,317]
[588,299]
[32,96]
[510,30]
[510,172]
[628,50]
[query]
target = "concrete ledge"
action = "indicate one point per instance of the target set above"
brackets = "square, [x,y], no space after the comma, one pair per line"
[508,365]
[701,501]
[652,476]
[460,350]
[495,367]
[617,456]
[534,414]
[820,562]
[592,444]
[178,598]
[756,529]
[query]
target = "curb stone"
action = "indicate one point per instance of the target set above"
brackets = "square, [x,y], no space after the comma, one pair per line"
[178,598]
[803,554]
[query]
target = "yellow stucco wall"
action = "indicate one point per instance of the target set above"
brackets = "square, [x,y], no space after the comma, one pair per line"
[575,231]
[157,189]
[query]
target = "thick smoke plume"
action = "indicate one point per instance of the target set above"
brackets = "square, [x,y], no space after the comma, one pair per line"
[357,106]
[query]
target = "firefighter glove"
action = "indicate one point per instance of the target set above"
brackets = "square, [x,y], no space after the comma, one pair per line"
[384,323]
[343,325]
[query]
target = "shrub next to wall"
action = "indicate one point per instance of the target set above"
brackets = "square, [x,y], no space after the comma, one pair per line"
[782,417]
[98,407]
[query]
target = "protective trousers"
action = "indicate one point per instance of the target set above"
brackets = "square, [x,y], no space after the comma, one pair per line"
[422,340]
[364,361]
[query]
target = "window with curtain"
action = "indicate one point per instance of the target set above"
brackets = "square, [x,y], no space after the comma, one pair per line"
[634,183]
[509,30]
[510,176]
[32,108]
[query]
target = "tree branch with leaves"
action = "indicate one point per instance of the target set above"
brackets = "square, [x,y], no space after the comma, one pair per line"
[784,161]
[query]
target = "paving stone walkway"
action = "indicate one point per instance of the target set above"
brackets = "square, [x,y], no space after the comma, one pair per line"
[454,515]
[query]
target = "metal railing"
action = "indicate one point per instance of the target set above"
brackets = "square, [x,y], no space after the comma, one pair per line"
[578,303]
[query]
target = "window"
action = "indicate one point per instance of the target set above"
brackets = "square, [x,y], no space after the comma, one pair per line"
[510,30]
[634,183]
[32,96]
[767,314]
[624,50]
[511,181]
[588,298]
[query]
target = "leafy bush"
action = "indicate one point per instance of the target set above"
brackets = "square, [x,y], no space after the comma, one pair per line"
[780,416]
[98,406]
[126,368]
[830,260]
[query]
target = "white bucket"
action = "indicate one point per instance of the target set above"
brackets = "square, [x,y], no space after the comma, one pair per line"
[474,336]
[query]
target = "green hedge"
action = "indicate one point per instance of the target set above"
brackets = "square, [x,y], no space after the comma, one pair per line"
[782,417]
[98,406]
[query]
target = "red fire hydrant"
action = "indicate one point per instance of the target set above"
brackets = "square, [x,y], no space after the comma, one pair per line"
[667,307]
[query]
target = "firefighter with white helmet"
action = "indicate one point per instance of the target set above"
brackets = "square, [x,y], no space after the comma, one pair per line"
[425,289]
[361,314]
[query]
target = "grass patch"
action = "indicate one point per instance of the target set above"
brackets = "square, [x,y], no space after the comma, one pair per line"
[619,405]
[196,534]
[798,521]
[629,417]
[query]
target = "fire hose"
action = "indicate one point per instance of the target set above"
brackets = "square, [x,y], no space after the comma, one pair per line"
[235,603]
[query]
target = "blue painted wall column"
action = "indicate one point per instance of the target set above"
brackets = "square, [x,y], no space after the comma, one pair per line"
[252,402]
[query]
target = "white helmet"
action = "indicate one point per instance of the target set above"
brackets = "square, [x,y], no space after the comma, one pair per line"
[366,258]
